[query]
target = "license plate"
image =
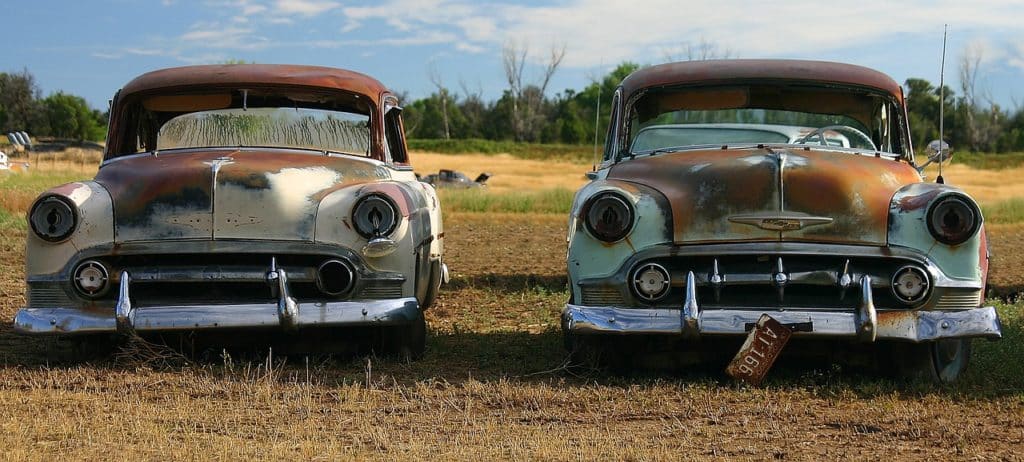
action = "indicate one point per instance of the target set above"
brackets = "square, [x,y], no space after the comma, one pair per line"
[759,352]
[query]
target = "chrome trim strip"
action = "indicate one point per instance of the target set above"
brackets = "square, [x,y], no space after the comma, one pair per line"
[691,310]
[866,316]
[185,318]
[123,311]
[914,326]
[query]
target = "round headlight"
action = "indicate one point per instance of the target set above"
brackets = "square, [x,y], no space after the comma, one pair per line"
[651,282]
[375,216]
[910,284]
[953,219]
[53,218]
[91,278]
[609,217]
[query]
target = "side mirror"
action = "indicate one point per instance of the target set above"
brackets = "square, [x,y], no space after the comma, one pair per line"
[939,151]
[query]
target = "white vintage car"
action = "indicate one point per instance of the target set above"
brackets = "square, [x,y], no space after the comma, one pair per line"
[241,197]
[734,189]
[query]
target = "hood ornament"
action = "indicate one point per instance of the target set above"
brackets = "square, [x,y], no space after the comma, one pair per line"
[219,162]
[780,222]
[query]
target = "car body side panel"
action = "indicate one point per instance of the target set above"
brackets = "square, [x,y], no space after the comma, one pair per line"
[589,257]
[94,227]
[908,228]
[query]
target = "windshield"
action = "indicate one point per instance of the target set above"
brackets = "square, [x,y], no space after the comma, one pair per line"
[676,118]
[302,128]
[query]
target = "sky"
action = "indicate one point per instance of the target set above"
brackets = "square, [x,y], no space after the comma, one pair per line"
[92,48]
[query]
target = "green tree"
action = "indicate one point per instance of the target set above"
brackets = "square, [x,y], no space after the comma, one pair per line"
[19,104]
[69,116]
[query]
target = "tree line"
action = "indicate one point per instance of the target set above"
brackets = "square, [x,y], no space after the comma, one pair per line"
[60,115]
[972,120]
[526,113]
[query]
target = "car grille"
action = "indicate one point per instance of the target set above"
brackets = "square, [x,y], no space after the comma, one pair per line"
[207,278]
[811,281]
[601,296]
[959,300]
[46,295]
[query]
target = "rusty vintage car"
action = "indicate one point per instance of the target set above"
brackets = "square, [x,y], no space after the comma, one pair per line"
[702,217]
[241,197]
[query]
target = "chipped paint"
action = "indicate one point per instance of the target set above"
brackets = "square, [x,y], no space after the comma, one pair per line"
[853,190]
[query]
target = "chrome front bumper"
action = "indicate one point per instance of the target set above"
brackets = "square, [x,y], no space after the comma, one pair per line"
[866,323]
[285,313]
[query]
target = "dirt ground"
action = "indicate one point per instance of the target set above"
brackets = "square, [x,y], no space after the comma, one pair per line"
[491,387]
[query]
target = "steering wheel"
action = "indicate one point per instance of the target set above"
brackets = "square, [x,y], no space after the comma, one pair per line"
[820,133]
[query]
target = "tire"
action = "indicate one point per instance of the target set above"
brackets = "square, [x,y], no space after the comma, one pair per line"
[940,361]
[406,342]
[434,286]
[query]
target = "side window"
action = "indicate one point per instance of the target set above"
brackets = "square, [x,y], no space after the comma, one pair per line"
[613,122]
[394,137]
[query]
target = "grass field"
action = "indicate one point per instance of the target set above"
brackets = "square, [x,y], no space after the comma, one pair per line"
[493,384]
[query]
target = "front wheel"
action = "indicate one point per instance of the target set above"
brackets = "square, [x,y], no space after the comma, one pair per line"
[409,341]
[940,361]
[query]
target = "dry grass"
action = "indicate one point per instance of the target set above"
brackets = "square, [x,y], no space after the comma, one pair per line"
[485,391]
[511,174]
[987,186]
[491,386]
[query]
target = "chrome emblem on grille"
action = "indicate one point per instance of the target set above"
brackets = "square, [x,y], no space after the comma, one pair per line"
[790,222]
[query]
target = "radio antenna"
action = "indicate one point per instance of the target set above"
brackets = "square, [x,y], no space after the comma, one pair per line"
[597,118]
[942,104]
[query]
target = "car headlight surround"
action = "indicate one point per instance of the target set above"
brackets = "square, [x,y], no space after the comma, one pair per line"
[911,284]
[53,218]
[91,278]
[375,215]
[609,216]
[953,219]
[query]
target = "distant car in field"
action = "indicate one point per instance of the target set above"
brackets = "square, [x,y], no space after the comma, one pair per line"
[445,178]
[730,189]
[248,197]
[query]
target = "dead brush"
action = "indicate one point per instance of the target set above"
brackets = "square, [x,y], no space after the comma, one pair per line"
[139,353]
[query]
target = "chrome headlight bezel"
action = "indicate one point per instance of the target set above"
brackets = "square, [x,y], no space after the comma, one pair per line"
[597,208]
[961,208]
[363,222]
[58,210]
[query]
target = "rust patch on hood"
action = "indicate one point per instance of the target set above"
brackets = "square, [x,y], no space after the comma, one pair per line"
[223,193]
[707,187]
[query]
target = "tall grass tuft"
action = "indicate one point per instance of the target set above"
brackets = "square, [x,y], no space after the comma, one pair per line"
[557,201]
[536,151]
[1007,211]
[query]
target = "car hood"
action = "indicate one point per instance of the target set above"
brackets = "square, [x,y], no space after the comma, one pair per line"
[226,194]
[773,194]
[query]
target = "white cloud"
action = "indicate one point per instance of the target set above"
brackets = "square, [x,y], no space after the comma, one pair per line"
[304,7]
[215,35]
[601,31]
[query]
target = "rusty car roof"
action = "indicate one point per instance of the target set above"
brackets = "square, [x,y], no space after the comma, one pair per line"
[727,70]
[256,74]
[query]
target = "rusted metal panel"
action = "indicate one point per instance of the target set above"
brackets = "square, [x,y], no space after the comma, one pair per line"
[706,188]
[762,347]
[121,139]
[730,70]
[226,193]
[239,75]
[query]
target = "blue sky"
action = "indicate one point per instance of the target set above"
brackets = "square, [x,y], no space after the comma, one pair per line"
[92,48]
